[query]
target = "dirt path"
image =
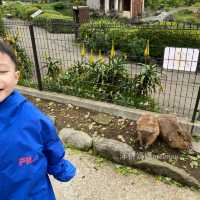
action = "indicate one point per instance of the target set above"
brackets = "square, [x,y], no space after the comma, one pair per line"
[104,183]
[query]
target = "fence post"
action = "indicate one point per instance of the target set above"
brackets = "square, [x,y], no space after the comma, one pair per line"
[196,106]
[39,79]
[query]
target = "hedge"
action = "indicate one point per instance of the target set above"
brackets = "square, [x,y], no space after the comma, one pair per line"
[54,23]
[131,40]
[160,37]
[51,20]
[100,34]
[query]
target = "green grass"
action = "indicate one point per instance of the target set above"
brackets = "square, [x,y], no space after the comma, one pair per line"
[197,4]
[186,16]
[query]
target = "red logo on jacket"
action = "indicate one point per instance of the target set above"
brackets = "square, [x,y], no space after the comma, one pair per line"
[27,160]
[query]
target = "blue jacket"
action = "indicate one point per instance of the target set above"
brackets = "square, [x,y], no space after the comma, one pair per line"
[30,150]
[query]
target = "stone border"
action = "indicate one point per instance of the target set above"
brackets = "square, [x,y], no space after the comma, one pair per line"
[124,154]
[116,110]
[114,150]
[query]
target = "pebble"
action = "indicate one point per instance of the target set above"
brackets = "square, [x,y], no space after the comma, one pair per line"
[120,137]
[69,106]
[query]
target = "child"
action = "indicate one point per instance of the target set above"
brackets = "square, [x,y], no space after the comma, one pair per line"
[30,147]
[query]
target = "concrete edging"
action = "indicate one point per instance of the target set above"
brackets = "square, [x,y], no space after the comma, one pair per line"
[116,110]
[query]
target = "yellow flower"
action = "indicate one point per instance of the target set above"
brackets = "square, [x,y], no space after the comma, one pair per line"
[100,57]
[10,39]
[112,53]
[83,51]
[91,58]
[146,51]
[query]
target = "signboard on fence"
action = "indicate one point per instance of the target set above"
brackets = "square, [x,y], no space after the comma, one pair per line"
[184,59]
[37,13]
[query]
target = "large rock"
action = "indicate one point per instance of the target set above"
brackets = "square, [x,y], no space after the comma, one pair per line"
[77,139]
[164,169]
[173,134]
[114,150]
[147,129]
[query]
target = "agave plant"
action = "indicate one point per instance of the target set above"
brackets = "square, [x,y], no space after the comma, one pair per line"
[147,80]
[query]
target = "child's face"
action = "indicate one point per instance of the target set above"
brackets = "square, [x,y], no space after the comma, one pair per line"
[8,76]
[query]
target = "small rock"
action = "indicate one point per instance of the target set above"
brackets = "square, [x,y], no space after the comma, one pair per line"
[95,134]
[132,123]
[120,121]
[68,126]
[102,118]
[91,125]
[69,106]
[77,108]
[87,115]
[38,99]
[120,137]
[50,103]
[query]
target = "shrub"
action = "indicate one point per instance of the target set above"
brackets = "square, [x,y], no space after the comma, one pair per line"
[106,81]
[53,68]
[54,23]
[28,11]
[59,6]
[147,80]
[163,36]
[186,16]
[99,34]
[100,80]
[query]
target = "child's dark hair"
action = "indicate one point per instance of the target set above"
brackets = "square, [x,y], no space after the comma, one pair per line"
[7,49]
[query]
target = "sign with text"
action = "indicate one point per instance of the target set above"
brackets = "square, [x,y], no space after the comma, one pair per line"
[184,59]
[35,14]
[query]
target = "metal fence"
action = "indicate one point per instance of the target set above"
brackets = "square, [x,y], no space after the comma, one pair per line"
[180,93]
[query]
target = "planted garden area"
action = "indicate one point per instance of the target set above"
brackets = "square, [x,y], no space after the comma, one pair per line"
[108,63]
[122,130]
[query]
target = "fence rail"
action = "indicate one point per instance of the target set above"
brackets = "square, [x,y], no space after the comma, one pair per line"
[180,93]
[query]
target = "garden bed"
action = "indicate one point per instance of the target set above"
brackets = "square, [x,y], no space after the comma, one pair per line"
[120,129]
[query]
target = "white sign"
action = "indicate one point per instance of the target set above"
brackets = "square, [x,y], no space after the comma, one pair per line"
[35,14]
[185,59]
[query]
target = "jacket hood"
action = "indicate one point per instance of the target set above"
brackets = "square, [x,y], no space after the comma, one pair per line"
[9,107]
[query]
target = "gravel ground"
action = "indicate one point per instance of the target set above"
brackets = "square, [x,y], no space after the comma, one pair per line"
[100,181]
